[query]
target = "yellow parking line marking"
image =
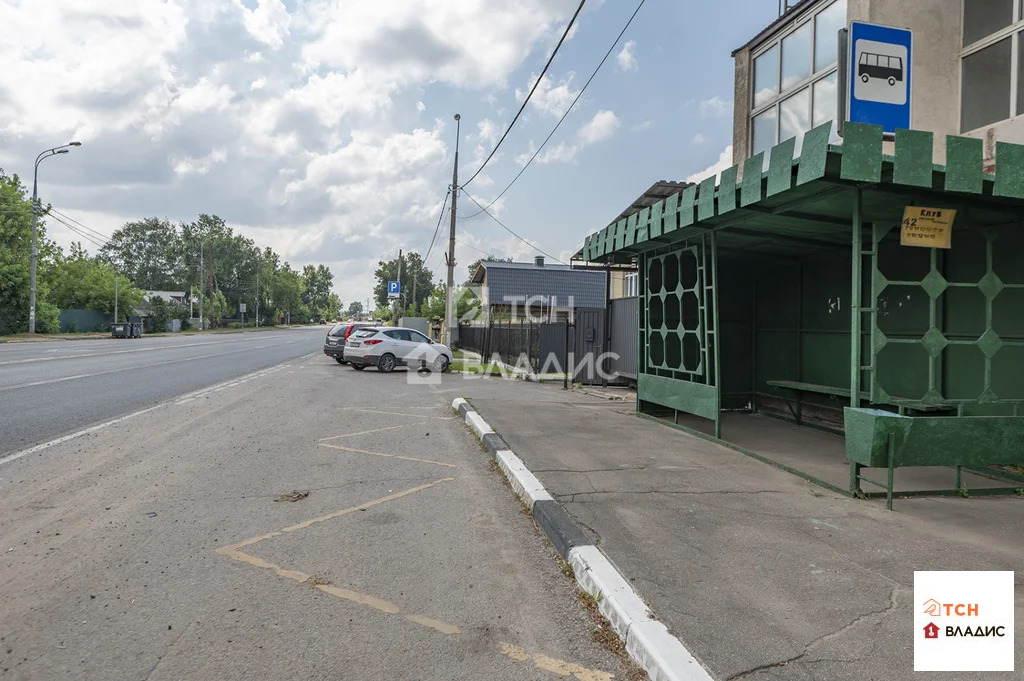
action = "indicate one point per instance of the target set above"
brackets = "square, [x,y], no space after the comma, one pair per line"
[330,516]
[399,413]
[388,456]
[550,664]
[365,432]
[234,552]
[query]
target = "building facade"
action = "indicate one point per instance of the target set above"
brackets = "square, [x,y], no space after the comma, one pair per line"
[966,66]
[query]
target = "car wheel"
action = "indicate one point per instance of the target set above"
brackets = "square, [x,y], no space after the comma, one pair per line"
[386,363]
[339,360]
[864,78]
[441,364]
[358,367]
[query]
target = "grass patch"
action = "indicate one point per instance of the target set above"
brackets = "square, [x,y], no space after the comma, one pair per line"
[475,367]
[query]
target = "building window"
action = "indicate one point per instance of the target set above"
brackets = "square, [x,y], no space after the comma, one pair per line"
[795,79]
[990,63]
[629,288]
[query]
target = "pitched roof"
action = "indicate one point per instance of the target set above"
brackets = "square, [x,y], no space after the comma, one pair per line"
[510,281]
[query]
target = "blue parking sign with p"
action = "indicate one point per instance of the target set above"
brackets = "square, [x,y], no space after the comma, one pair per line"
[394,289]
[880,76]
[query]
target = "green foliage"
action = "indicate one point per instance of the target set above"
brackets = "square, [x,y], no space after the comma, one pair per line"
[412,270]
[355,309]
[15,255]
[84,283]
[148,252]
[159,314]
[316,289]
[217,308]
[467,303]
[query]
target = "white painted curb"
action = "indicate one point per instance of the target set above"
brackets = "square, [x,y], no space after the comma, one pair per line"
[647,640]
[526,485]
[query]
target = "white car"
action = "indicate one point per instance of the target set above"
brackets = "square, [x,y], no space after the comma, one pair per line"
[389,347]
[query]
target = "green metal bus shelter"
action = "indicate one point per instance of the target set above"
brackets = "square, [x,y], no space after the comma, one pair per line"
[787,293]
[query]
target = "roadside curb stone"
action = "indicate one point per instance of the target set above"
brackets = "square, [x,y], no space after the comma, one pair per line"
[648,642]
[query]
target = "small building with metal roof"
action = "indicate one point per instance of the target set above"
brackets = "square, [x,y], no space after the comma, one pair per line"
[519,289]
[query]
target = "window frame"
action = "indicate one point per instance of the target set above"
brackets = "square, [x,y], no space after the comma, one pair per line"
[1014,32]
[805,84]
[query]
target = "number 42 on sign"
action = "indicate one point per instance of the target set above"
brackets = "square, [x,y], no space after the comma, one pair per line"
[927,227]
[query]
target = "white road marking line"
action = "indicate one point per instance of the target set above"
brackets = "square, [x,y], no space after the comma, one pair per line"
[99,426]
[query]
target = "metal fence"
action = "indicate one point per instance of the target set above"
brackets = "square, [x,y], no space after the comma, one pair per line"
[602,347]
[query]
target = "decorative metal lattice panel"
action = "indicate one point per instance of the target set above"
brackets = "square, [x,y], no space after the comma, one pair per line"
[678,318]
[948,326]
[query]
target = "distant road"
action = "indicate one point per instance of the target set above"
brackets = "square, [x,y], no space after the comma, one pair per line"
[48,389]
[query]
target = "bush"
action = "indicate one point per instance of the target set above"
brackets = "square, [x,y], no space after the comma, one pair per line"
[186,324]
[235,325]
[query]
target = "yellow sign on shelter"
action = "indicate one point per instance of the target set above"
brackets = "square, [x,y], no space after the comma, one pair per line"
[928,227]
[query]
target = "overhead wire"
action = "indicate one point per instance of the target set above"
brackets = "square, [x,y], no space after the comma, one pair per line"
[438,227]
[86,228]
[509,230]
[564,115]
[528,96]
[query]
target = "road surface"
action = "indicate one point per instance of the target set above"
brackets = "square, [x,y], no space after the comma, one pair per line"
[170,544]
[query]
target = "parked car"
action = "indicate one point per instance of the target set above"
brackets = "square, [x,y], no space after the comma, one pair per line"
[390,347]
[334,344]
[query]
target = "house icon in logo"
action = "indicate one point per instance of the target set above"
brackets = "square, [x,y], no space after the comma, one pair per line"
[932,607]
[931,630]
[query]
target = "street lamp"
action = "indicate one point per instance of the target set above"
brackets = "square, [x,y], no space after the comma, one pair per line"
[63,149]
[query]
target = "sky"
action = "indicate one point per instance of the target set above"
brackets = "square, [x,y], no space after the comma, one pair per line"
[324,128]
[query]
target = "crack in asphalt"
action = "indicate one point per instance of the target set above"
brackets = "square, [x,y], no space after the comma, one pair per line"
[822,639]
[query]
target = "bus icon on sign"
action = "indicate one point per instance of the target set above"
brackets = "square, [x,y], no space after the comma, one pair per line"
[881,66]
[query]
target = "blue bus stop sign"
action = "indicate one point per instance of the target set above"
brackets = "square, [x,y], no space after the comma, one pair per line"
[880,76]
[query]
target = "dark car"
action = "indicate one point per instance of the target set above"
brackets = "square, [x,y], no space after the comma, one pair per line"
[334,344]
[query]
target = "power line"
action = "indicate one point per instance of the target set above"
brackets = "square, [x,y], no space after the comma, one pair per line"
[506,228]
[532,90]
[85,235]
[438,228]
[559,123]
[88,229]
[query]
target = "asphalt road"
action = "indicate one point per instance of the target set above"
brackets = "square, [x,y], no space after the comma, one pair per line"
[48,389]
[156,547]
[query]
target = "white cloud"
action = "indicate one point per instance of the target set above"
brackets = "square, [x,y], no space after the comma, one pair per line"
[268,23]
[699,139]
[724,162]
[551,99]
[602,126]
[626,57]
[715,107]
[644,125]
[295,128]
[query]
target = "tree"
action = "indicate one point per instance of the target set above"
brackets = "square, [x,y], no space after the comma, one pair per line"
[286,294]
[355,308]
[217,308]
[81,282]
[333,306]
[149,252]
[467,304]
[413,271]
[472,267]
[316,283]
[15,255]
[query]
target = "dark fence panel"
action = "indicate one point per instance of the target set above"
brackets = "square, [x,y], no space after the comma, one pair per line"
[84,320]
[625,332]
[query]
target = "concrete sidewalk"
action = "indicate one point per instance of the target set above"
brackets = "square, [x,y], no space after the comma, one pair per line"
[759,573]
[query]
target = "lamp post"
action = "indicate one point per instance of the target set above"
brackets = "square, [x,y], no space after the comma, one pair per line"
[63,149]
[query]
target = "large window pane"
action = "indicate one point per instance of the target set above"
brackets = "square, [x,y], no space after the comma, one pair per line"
[795,115]
[764,131]
[826,92]
[766,77]
[985,96]
[984,17]
[796,56]
[826,38]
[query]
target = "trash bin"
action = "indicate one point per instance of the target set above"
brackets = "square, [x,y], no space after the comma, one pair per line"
[120,330]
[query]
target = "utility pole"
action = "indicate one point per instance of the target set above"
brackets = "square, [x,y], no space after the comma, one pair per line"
[449,309]
[398,300]
[63,149]
[258,263]
[115,296]
[201,272]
